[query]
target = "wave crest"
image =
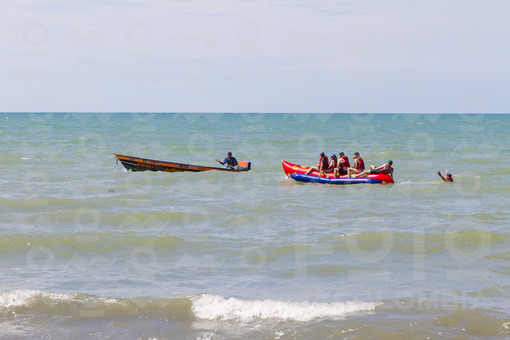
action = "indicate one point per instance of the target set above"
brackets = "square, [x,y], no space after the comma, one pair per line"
[213,307]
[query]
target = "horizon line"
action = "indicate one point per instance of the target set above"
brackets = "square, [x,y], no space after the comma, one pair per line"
[250,112]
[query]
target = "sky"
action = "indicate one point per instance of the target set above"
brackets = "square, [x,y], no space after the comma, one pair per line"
[349,56]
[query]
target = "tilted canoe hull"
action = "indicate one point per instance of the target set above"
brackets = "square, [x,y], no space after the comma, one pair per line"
[144,164]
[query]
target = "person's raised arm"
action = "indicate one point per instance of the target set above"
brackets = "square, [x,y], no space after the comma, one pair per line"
[439,174]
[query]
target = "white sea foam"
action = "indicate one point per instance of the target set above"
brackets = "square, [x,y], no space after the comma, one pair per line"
[213,307]
[24,297]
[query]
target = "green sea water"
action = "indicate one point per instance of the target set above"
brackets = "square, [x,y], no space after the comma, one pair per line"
[90,250]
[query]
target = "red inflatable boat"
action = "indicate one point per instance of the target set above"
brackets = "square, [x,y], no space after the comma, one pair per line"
[290,169]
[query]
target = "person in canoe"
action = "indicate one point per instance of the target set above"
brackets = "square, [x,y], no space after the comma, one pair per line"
[383,169]
[343,165]
[359,165]
[230,161]
[323,164]
[448,175]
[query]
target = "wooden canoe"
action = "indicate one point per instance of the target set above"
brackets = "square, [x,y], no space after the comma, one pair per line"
[144,164]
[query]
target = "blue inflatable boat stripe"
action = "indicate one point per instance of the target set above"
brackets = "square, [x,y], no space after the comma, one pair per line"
[315,179]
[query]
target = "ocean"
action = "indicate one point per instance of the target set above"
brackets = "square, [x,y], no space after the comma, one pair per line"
[92,251]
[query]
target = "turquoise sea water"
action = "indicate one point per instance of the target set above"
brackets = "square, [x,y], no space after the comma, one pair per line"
[89,250]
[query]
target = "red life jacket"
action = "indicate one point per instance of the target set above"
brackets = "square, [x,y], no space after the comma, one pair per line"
[324,161]
[361,165]
[332,164]
[388,170]
[346,163]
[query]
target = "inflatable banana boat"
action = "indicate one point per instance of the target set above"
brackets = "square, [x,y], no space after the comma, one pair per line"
[298,173]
